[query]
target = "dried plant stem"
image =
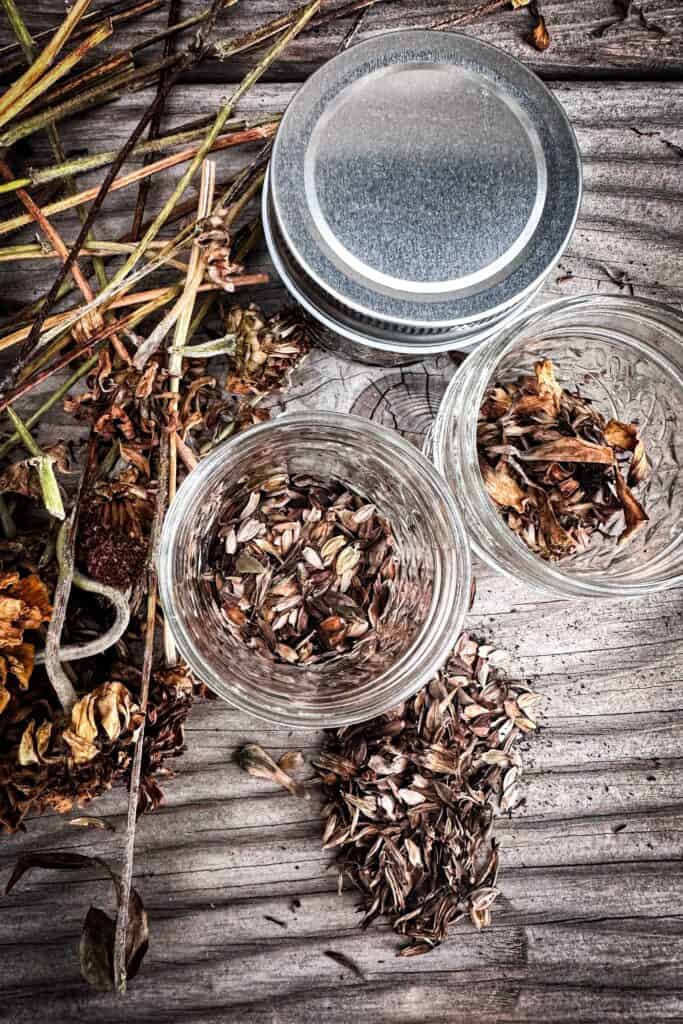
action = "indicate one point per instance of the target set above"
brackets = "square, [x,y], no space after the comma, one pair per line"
[159,221]
[25,41]
[125,323]
[344,11]
[100,93]
[55,238]
[36,379]
[37,215]
[181,62]
[182,26]
[224,113]
[116,12]
[93,161]
[60,69]
[26,313]
[239,138]
[42,63]
[155,123]
[121,934]
[470,16]
[224,48]
[229,47]
[247,175]
[60,681]
[195,272]
[116,62]
[49,402]
[119,602]
[163,294]
[91,250]
[205,308]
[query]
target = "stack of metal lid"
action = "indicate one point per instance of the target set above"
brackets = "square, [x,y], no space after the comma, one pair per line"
[422,186]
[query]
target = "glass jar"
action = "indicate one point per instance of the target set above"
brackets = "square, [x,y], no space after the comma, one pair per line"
[626,355]
[431,589]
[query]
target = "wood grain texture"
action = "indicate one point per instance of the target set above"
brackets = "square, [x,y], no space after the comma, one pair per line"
[588,40]
[243,905]
[630,231]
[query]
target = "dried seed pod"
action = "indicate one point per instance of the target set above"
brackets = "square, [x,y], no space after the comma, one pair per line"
[295,550]
[410,798]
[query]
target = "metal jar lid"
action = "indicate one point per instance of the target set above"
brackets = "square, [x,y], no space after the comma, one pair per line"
[422,186]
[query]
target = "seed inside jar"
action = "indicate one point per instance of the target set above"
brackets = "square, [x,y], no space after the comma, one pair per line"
[303,568]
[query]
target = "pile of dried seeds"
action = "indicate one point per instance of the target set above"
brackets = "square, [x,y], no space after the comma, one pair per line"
[411,796]
[303,569]
[558,471]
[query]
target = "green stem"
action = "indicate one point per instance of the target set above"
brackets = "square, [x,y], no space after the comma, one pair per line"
[221,118]
[19,28]
[25,435]
[44,464]
[55,397]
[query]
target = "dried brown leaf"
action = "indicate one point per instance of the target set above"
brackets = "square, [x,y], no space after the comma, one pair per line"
[569,449]
[634,513]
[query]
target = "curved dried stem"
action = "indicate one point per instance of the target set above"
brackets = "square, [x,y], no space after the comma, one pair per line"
[60,681]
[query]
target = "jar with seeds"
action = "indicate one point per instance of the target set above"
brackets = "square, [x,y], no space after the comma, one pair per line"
[561,442]
[314,570]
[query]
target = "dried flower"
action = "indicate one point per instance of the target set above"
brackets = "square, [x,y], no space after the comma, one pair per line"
[267,349]
[24,606]
[215,242]
[550,462]
[103,716]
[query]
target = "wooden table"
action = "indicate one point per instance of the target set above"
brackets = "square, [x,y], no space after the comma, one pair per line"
[242,905]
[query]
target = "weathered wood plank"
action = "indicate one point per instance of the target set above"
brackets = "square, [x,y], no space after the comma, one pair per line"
[587,39]
[630,230]
[589,926]
[228,854]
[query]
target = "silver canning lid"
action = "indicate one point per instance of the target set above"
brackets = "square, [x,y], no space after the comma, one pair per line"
[421,183]
[367,332]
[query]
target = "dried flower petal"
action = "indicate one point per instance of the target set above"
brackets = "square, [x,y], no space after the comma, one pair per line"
[254,760]
[634,512]
[109,708]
